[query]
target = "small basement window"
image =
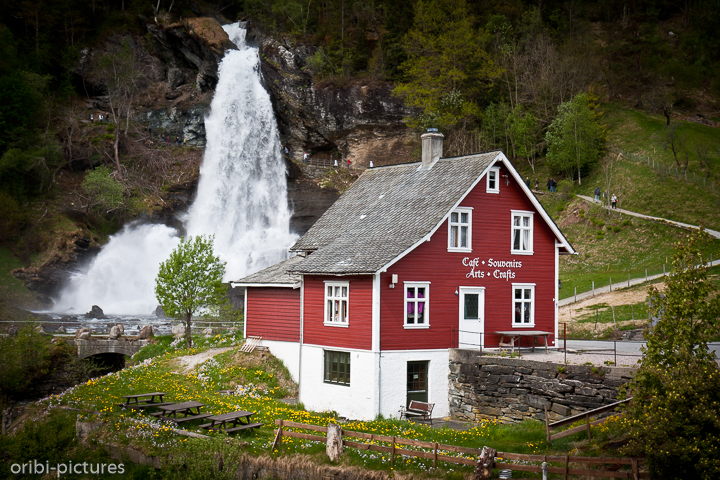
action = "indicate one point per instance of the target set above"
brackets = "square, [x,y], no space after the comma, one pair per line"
[337,368]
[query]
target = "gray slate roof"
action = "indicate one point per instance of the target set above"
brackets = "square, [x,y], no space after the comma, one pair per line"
[275,274]
[384,213]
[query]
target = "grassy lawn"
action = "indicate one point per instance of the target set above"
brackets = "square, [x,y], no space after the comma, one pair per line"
[611,245]
[264,382]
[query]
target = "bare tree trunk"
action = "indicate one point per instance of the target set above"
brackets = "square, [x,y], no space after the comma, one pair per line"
[188,331]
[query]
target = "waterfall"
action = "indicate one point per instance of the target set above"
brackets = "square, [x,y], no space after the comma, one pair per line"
[241,200]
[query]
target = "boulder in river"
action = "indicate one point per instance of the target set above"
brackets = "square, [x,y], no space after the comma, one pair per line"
[178,330]
[159,312]
[81,331]
[95,312]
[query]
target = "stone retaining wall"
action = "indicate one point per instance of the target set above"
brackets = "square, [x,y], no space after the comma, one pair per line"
[512,389]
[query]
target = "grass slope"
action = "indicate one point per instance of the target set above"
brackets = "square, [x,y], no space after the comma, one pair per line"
[265,382]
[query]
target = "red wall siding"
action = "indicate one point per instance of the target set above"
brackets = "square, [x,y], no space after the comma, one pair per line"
[358,333]
[491,239]
[273,313]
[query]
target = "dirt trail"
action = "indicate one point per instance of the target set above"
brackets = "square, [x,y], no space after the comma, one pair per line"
[621,297]
[189,362]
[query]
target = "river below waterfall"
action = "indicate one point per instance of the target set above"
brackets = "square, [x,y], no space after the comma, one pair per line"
[241,201]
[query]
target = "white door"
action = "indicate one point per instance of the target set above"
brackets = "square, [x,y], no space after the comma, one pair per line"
[472,317]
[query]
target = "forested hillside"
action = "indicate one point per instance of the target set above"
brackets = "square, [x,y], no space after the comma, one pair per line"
[536,79]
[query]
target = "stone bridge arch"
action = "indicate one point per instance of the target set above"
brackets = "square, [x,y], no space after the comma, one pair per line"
[96,346]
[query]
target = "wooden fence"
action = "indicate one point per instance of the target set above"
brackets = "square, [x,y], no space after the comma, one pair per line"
[435,448]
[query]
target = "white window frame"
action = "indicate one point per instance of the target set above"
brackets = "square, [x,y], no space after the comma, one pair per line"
[460,226]
[493,172]
[524,286]
[425,302]
[521,214]
[331,298]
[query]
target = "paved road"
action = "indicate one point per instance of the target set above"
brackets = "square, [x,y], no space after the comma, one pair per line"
[623,348]
[633,281]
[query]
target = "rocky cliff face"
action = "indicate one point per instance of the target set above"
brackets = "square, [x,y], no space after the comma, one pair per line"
[360,121]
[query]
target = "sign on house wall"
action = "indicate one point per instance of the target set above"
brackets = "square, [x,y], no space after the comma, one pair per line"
[501,269]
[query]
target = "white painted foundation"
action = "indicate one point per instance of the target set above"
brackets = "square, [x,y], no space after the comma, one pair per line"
[393,386]
[288,353]
[357,401]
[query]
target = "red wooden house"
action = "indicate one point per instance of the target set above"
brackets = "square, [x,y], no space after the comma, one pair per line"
[412,260]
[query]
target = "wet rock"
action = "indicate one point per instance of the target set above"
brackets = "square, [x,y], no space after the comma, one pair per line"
[61,329]
[84,336]
[13,331]
[208,331]
[40,329]
[95,312]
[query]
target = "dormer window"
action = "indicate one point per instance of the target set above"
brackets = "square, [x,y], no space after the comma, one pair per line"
[493,181]
[460,230]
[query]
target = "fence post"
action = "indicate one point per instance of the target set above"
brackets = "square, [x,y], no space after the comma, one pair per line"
[646,274]
[615,348]
[435,456]
[628,280]
[611,284]
[632,312]
[593,285]
[576,294]
[663,269]
[392,455]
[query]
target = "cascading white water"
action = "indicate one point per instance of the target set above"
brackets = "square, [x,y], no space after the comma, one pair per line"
[241,200]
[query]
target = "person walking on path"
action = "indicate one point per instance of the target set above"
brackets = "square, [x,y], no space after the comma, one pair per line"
[537,184]
[348,164]
[527,181]
[597,194]
[335,164]
[549,184]
[92,117]
[305,155]
[371,164]
[614,200]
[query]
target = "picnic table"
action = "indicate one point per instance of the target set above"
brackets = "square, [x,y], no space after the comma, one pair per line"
[231,422]
[182,412]
[144,400]
[516,334]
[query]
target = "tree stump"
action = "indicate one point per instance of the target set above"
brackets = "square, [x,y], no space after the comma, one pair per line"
[334,447]
[483,470]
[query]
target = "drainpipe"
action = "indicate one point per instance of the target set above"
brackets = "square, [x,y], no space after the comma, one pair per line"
[302,324]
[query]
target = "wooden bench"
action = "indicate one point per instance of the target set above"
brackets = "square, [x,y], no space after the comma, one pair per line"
[417,409]
[187,419]
[142,405]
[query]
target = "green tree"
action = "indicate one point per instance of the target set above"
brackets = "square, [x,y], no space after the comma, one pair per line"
[447,68]
[523,127]
[674,417]
[190,280]
[575,138]
[103,190]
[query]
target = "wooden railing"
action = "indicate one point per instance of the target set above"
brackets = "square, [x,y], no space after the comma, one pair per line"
[580,416]
[435,447]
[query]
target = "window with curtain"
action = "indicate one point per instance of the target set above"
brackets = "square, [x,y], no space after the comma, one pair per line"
[522,232]
[336,303]
[460,230]
[416,304]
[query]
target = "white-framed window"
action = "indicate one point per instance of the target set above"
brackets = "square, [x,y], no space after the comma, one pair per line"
[417,303]
[493,181]
[460,230]
[522,233]
[523,305]
[336,303]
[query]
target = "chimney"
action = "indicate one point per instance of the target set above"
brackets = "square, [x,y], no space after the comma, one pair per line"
[432,147]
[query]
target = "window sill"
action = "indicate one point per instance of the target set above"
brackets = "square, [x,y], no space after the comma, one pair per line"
[524,325]
[416,327]
[338,384]
[521,252]
[492,191]
[336,324]
[456,249]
